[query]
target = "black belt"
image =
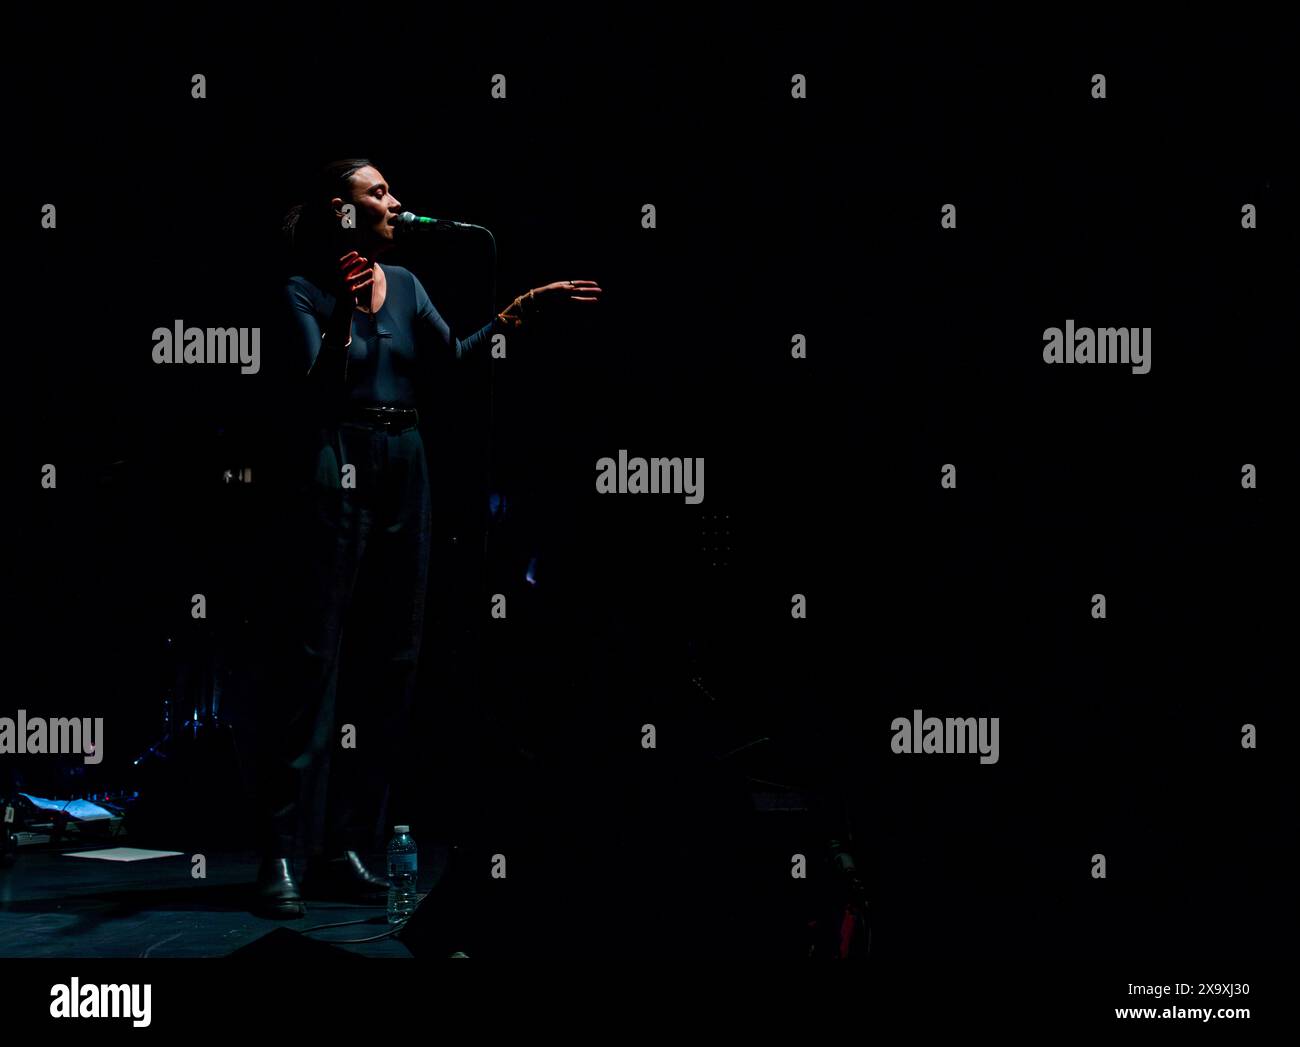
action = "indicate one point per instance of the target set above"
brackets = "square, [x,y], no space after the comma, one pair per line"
[383,416]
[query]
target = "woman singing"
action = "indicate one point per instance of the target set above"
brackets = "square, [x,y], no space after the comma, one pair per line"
[361,334]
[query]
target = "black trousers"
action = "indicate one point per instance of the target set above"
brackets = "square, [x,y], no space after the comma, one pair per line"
[333,724]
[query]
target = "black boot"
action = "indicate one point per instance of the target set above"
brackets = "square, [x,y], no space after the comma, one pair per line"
[343,879]
[277,894]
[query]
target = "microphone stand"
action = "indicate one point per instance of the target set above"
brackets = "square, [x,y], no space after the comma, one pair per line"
[491,383]
[489,449]
[491,424]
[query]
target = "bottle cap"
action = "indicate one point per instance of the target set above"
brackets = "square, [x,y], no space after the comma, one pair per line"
[401,828]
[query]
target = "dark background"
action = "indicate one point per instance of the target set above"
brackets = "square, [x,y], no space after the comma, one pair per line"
[822,476]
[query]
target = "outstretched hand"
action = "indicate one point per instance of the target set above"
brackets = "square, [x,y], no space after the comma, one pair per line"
[549,298]
[564,291]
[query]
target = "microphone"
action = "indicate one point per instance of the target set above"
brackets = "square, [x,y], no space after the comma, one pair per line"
[406,223]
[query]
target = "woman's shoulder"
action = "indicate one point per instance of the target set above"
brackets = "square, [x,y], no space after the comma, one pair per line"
[404,285]
[302,280]
[400,272]
[305,291]
[299,285]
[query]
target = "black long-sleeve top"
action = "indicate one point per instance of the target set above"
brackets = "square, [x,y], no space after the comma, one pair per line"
[389,351]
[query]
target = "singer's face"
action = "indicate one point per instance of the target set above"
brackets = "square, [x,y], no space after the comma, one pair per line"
[376,206]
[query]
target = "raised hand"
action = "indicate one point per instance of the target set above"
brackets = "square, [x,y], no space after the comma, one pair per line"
[355,275]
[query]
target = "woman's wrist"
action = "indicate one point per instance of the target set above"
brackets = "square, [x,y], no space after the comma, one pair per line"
[513,316]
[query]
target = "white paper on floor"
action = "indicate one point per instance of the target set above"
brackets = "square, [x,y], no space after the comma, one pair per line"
[122,854]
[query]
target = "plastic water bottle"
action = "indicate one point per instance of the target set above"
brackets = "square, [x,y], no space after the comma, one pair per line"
[403,874]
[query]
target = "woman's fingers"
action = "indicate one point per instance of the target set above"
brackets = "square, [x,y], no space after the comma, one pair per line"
[351,262]
[591,291]
[574,290]
[356,272]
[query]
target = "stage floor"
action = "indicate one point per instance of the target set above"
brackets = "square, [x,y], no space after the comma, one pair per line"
[53,905]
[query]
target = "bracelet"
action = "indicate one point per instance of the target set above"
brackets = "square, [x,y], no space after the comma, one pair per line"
[514,315]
